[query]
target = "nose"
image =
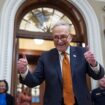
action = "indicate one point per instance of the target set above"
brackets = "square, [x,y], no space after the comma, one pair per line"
[59,40]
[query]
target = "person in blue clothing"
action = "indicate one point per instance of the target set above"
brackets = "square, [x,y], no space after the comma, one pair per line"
[49,69]
[5,98]
[98,94]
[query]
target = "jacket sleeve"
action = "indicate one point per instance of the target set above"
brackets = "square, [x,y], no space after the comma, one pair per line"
[35,78]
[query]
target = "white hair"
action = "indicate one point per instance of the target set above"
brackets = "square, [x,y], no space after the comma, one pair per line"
[61,23]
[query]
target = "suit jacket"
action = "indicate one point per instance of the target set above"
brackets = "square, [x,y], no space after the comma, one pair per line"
[98,96]
[49,69]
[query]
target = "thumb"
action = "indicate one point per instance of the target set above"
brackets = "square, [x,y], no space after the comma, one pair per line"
[25,57]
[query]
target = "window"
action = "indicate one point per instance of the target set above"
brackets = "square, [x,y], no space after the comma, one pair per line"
[43,19]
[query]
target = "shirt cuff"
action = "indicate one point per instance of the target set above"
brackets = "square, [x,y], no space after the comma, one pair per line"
[23,75]
[96,68]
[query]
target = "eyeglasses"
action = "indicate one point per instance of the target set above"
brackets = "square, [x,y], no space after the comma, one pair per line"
[61,37]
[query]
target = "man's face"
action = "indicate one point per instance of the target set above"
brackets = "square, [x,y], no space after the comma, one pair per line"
[61,37]
[102,82]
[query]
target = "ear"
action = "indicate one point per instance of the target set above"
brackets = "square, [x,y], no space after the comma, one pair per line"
[69,38]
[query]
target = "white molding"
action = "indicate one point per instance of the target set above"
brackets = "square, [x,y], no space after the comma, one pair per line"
[6,40]
[100,0]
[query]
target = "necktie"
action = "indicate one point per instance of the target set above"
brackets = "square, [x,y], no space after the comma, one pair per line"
[67,82]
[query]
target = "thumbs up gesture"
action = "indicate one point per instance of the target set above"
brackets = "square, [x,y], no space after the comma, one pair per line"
[22,64]
[90,58]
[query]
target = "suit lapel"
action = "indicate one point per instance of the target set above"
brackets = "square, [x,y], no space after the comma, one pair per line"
[73,59]
[56,65]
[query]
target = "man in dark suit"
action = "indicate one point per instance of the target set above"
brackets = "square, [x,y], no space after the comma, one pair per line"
[98,94]
[49,69]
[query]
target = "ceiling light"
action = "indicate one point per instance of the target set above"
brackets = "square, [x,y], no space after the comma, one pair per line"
[38,41]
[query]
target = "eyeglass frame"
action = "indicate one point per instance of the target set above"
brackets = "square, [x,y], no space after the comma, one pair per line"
[59,37]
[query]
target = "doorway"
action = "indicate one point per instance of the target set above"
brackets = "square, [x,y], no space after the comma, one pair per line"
[34,20]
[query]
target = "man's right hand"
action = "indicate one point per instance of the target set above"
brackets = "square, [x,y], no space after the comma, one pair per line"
[22,65]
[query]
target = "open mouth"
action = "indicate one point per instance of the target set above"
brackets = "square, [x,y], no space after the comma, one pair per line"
[61,45]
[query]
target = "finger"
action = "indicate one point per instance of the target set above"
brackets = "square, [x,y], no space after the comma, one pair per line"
[25,57]
[22,62]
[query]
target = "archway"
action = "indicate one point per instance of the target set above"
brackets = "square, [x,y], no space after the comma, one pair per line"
[7,32]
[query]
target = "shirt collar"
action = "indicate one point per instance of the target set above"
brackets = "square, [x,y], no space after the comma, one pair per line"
[67,51]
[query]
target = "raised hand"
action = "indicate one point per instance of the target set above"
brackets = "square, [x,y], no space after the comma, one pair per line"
[90,58]
[22,64]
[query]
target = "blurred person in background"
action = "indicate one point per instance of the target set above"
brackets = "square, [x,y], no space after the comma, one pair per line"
[24,97]
[5,98]
[98,94]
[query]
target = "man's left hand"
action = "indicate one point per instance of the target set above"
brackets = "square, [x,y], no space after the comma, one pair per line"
[90,58]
